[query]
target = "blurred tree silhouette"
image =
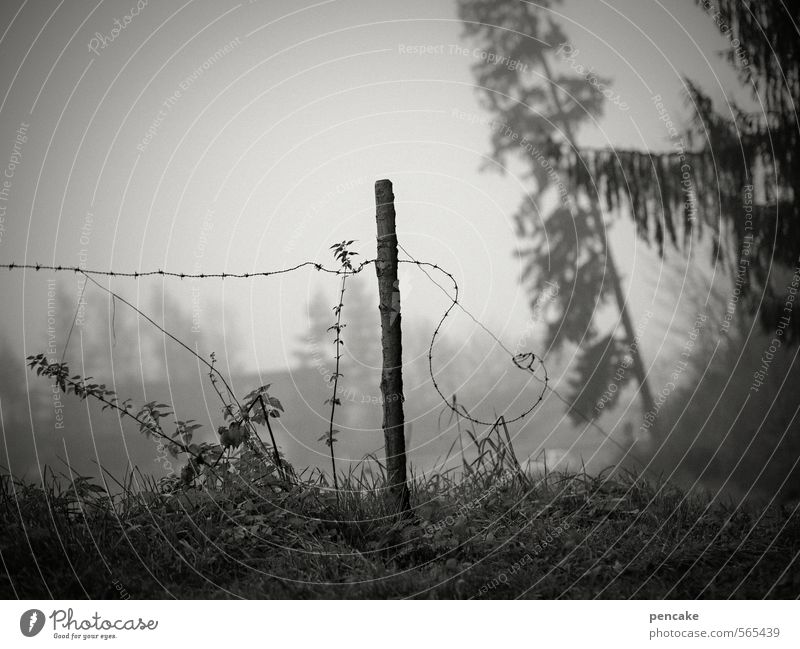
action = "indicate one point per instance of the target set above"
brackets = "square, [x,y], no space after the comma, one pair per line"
[361,360]
[761,443]
[761,147]
[537,113]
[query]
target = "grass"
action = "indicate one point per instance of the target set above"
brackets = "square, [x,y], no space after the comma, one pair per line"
[496,532]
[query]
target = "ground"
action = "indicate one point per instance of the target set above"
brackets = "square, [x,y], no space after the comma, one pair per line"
[493,533]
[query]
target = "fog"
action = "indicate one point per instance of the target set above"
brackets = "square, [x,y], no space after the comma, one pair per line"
[242,138]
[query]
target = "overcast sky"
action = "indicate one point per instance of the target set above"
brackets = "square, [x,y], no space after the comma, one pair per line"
[209,136]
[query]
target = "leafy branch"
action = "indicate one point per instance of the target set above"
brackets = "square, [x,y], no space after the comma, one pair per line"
[203,458]
[148,417]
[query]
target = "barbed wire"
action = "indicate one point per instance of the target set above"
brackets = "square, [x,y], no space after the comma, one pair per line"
[517,359]
[166,273]
[525,361]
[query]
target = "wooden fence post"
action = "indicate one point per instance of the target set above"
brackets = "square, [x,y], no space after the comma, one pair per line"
[391,343]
